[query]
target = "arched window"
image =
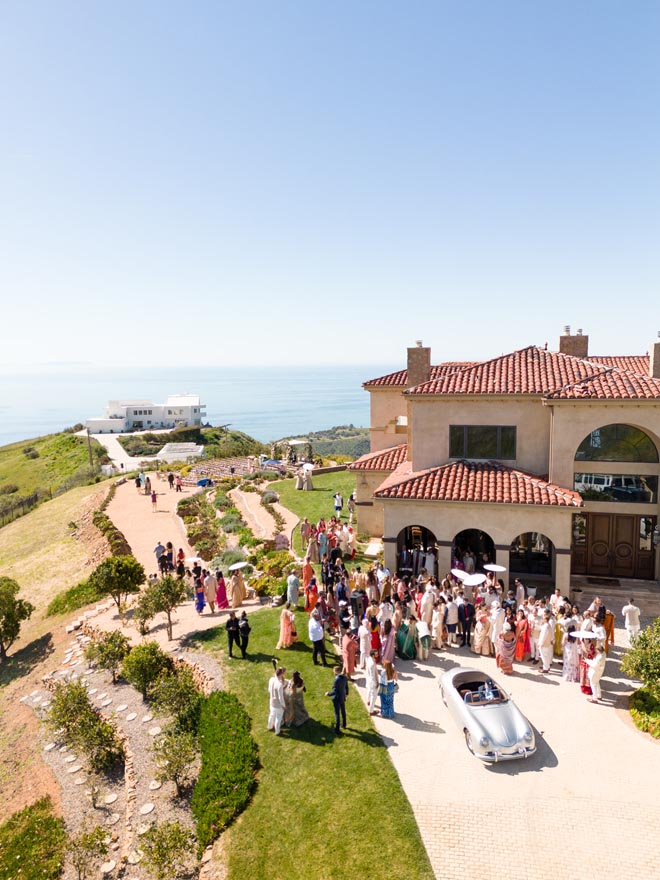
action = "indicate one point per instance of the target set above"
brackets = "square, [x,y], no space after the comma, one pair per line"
[617,443]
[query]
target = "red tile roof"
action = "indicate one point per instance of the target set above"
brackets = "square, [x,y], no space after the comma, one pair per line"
[635,363]
[611,385]
[383,460]
[485,482]
[400,378]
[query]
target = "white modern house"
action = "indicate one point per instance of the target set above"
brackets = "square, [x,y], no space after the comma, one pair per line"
[143,415]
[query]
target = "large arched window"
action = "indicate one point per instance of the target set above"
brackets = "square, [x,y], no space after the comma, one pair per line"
[617,443]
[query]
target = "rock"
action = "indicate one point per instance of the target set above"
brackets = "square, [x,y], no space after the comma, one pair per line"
[147,718]
[108,867]
[143,828]
[49,747]
[131,716]
[110,798]
[106,702]
[80,780]
[145,809]
[74,769]
[92,691]
[123,707]
[154,731]
[154,785]
[134,857]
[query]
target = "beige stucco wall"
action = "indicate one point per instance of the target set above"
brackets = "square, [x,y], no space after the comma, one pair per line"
[502,522]
[386,405]
[430,419]
[370,516]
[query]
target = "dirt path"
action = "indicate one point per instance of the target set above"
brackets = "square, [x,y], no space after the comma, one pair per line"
[258,518]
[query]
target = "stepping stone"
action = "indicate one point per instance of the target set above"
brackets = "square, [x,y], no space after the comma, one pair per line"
[70,759]
[106,702]
[92,691]
[23,699]
[80,780]
[142,829]
[103,695]
[154,785]
[154,731]
[34,693]
[64,748]
[46,705]
[74,769]
[108,867]
[147,718]
[146,809]
[131,716]
[110,798]
[123,707]
[114,818]
[36,701]
[134,857]
[49,747]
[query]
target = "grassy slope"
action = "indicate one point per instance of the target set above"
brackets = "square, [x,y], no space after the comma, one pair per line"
[318,503]
[326,807]
[60,456]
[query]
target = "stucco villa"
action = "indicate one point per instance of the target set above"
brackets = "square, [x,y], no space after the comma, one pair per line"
[137,415]
[544,462]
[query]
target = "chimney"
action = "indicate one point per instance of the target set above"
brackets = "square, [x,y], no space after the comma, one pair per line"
[419,364]
[654,360]
[577,345]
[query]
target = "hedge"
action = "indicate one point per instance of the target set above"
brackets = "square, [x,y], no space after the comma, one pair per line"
[229,764]
[32,844]
[645,712]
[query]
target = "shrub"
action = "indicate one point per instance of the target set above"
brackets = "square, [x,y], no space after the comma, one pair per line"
[8,489]
[109,651]
[222,501]
[229,764]
[117,576]
[166,847]
[645,712]
[30,452]
[13,611]
[32,844]
[143,666]
[231,522]
[642,661]
[274,563]
[270,497]
[230,557]
[86,849]
[175,754]
[176,694]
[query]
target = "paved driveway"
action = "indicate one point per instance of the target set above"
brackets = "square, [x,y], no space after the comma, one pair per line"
[588,799]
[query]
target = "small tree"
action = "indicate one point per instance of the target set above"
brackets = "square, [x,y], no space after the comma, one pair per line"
[165,849]
[13,611]
[109,652]
[143,666]
[175,755]
[69,708]
[642,661]
[86,849]
[176,694]
[164,595]
[117,576]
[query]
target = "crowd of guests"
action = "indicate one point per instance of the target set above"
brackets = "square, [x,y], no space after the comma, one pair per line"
[206,587]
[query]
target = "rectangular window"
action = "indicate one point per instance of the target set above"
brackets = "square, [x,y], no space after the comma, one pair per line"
[482,441]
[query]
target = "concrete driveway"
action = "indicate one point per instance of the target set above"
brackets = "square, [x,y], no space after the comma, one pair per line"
[587,799]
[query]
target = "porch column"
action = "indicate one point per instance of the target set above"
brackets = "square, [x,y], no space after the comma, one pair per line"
[563,571]
[502,557]
[389,553]
[444,558]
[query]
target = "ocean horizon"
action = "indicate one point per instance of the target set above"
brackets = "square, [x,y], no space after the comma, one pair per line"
[267,402]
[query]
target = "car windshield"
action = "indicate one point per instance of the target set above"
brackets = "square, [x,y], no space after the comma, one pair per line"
[481,693]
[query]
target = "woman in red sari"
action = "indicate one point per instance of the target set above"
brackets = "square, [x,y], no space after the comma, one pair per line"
[522,636]
[375,637]
[587,652]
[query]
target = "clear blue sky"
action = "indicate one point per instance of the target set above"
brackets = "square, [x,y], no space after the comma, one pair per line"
[258,182]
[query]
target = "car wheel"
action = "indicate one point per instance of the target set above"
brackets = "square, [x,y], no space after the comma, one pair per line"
[468,741]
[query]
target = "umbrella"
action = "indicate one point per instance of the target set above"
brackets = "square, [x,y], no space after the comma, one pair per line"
[308,467]
[473,580]
[237,565]
[583,634]
[493,567]
[459,573]
[191,560]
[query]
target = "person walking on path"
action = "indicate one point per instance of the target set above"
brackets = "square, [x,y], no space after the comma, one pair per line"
[154,501]
[232,636]
[159,550]
[317,638]
[339,695]
[292,589]
[546,642]
[275,697]
[339,504]
[170,480]
[210,590]
[631,614]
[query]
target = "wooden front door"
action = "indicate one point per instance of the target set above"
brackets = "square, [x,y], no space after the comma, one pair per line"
[613,547]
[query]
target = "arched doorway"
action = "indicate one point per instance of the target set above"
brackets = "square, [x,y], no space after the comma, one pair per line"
[531,553]
[473,549]
[416,550]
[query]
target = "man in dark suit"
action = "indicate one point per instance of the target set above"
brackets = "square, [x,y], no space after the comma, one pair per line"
[466,618]
[339,694]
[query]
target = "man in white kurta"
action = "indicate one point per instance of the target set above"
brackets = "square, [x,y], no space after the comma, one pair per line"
[631,614]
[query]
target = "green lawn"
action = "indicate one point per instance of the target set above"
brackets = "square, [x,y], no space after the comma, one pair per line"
[325,807]
[319,503]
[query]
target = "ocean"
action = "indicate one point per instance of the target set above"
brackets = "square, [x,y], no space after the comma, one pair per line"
[266,402]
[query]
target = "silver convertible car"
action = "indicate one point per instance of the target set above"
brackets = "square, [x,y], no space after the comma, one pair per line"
[494,728]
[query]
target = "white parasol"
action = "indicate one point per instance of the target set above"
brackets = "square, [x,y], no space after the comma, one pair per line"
[459,573]
[191,560]
[583,634]
[236,566]
[492,566]
[308,466]
[473,580]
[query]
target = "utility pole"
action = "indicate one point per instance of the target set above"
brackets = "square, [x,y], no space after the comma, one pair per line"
[89,450]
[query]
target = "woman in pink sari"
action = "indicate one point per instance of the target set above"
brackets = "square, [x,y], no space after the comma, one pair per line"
[287,627]
[523,646]
[505,649]
[348,652]
[221,592]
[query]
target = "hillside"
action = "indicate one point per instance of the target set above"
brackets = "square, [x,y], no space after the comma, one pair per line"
[44,467]
[340,440]
[219,442]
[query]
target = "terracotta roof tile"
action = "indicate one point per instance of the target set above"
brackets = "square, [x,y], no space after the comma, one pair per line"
[483,482]
[611,385]
[383,460]
[635,363]
[400,378]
